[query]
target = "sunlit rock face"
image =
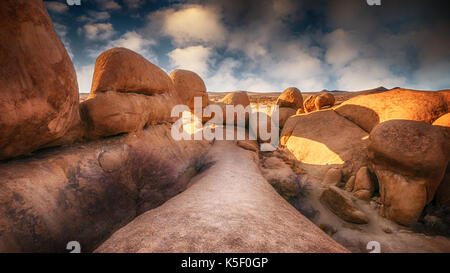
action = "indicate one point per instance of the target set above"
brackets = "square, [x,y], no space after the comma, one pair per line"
[291,98]
[324,139]
[369,110]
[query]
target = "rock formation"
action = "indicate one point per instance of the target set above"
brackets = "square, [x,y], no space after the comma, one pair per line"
[122,70]
[89,190]
[369,110]
[409,159]
[228,209]
[324,139]
[341,205]
[188,86]
[39,91]
[363,187]
[318,102]
[290,98]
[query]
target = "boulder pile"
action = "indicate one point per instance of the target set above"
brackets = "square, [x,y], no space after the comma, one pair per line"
[383,143]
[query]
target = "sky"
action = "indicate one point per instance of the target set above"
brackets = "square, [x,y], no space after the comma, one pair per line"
[268,45]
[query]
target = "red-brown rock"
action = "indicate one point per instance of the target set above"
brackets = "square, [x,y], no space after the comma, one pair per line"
[38,85]
[123,70]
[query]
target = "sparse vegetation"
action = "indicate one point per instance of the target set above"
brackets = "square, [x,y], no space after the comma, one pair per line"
[296,192]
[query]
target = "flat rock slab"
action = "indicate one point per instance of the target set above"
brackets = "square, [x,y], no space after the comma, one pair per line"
[229,208]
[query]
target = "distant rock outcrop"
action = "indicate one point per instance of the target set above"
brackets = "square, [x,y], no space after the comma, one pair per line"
[409,159]
[38,84]
[236,98]
[369,110]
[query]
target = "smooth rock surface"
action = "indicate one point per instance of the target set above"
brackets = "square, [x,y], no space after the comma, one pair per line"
[38,90]
[229,208]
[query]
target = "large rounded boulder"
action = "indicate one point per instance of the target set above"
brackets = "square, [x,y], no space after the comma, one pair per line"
[322,140]
[409,159]
[123,70]
[38,90]
[128,93]
[189,85]
[291,98]
[369,110]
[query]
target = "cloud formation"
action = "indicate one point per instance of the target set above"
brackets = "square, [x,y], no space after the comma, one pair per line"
[193,58]
[99,31]
[57,7]
[268,45]
[189,25]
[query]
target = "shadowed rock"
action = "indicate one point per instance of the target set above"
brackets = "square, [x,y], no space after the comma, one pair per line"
[409,159]
[363,187]
[86,192]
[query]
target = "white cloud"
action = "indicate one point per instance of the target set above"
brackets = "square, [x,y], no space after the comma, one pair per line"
[366,74]
[132,41]
[100,31]
[189,25]
[84,77]
[342,48]
[93,17]
[224,79]
[193,58]
[57,7]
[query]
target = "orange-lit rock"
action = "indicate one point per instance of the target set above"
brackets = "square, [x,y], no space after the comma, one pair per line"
[369,110]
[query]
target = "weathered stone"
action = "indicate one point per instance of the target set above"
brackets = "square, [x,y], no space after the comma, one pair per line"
[341,205]
[38,90]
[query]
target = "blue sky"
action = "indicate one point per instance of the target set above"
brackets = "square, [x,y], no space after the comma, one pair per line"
[268,45]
